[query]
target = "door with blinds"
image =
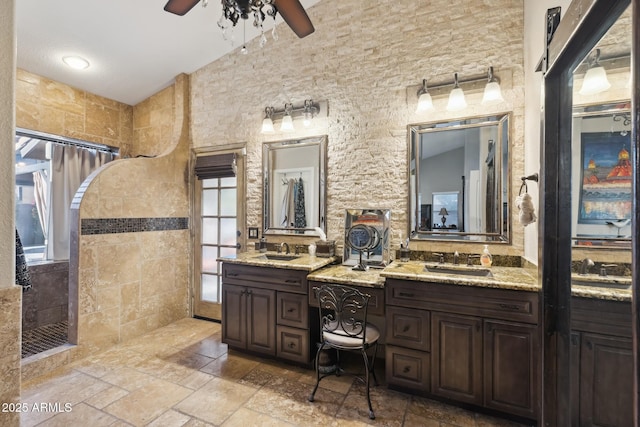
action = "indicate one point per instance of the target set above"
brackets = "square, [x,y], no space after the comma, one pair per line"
[219,221]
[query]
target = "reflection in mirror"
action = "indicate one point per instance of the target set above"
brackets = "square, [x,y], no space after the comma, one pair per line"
[601,142]
[459,180]
[294,185]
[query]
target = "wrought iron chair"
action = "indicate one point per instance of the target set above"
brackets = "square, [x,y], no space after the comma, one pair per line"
[343,326]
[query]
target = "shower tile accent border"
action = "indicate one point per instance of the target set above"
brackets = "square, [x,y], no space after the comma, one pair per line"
[131,225]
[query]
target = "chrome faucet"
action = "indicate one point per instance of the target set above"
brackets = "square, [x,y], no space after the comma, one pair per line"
[603,269]
[440,257]
[584,267]
[456,258]
[282,246]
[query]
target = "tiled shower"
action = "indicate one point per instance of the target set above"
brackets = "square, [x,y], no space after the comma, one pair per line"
[45,308]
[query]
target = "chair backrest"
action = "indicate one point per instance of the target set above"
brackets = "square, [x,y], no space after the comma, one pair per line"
[343,310]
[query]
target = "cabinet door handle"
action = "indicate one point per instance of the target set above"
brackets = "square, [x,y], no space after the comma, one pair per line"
[406,370]
[292,345]
[232,274]
[406,294]
[249,292]
[291,281]
[242,292]
[589,345]
[291,310]
[406,328]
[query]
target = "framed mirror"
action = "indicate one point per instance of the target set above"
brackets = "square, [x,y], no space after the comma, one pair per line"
[602,174]
[459,179]
[294,183]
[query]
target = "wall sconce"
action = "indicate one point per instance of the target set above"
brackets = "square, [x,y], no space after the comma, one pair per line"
[457,99]
[595,80]
[492,92]
[307,111]
[425,103]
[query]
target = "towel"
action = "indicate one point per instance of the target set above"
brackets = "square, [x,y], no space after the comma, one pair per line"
[527,211]
[22,272]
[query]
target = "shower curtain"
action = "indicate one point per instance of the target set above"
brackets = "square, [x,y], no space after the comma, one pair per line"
[70,166]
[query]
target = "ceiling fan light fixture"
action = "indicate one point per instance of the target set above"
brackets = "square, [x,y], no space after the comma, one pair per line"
[76,62]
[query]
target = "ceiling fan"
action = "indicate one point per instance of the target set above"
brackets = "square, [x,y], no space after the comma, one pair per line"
[291,10]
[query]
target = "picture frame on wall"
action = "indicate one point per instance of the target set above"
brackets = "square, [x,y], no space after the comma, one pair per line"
[606,177]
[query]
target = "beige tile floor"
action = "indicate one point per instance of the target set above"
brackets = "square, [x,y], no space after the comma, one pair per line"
[182,375]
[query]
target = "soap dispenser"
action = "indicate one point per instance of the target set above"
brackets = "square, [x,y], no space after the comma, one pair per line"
[263,244]
[485,258]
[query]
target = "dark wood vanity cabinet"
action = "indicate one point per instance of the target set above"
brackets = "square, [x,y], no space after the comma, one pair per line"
[473,345]
[264,311]
[248,318]
[602,363]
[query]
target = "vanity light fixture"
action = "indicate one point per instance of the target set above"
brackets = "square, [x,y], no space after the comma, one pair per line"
[287,121]
[457,100]
[425,103]
[492,92]
[308,110]
[267,123]
[595,79]
[488,83]
[76,62]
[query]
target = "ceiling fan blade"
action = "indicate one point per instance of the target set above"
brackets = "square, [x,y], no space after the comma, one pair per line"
[180,7]
[295,16]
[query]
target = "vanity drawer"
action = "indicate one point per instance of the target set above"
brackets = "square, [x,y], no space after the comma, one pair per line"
[279,279]
[521,306]
[408,328]
[376,302]
[407,369]
[293,344]
[292,310]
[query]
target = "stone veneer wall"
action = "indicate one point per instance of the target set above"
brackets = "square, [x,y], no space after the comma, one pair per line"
[10,295]
[130,267]
[48,106]
[368,62]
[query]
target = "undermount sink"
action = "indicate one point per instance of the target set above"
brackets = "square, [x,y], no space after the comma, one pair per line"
[459,270]
[278,257]
[618,282]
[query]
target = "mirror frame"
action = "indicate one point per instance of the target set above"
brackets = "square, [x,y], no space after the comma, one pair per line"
[591,110]
[503,216]
[274,146]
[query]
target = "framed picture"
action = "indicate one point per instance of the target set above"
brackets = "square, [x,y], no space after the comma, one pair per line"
[606,176]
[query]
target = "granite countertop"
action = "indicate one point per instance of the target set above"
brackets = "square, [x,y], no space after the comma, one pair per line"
[345,275]
[302,262]
[514,278]
[614,288]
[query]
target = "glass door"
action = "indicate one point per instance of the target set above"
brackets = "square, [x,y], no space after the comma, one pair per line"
[219,219]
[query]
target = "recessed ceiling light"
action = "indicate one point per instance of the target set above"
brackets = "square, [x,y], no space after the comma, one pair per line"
[76,62]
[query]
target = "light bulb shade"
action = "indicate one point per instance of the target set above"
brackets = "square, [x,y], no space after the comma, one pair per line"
[287,124]
[457,100]
[595,81]
[308,118]
[267,125]
[492,93]
[425,103]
